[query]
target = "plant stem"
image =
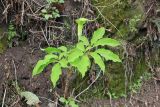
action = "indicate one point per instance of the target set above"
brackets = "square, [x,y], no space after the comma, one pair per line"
[69,74]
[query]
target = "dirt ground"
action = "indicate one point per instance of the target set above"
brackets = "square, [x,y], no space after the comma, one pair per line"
[17,64]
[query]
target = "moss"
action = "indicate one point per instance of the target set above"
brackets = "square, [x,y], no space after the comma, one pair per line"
[120,13]
[116,75]
[113,81]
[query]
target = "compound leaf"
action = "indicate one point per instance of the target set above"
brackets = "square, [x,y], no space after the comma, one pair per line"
[74,54]
[108,55]
[55,74]
[98,60]
[107,41]
[98,34]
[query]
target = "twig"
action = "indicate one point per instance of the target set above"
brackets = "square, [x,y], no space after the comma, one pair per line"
[89,85]
[36,2]
[46,99]
[13,104]
[4,96]
[100,13]
[29,7]
[5,11]
[45,36]
[50,100]
[22,15]
[15,72]
[67,82]
[110,98]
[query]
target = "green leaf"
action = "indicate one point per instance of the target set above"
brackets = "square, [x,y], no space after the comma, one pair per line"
[50,57]
[63,63]
[55,14]
[63,100]
[82,64]
[55,74]
[47,16]
[98,34]
[31,98]
[84,40]
[61,1]
[107,41]
[50,50]
[108,55]
[73,104]
[44,11]
[80,22]
[80,46]
[41,64]
[74,54]
[63,48]
[98,60]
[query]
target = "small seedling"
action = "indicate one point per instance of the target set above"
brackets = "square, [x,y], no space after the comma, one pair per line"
[50,12]
[68,102]
[11,34]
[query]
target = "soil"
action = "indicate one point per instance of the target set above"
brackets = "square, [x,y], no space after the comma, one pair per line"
[18,62]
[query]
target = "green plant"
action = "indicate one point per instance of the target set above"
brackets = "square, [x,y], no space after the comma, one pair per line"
[136,86]
[133,23]
[78,57]
[114,96]
[68,102]
[139,82]
[48,13]
[11,34]
[51,12]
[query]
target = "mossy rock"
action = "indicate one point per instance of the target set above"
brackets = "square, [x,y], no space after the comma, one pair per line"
[123,14]
[117,76]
